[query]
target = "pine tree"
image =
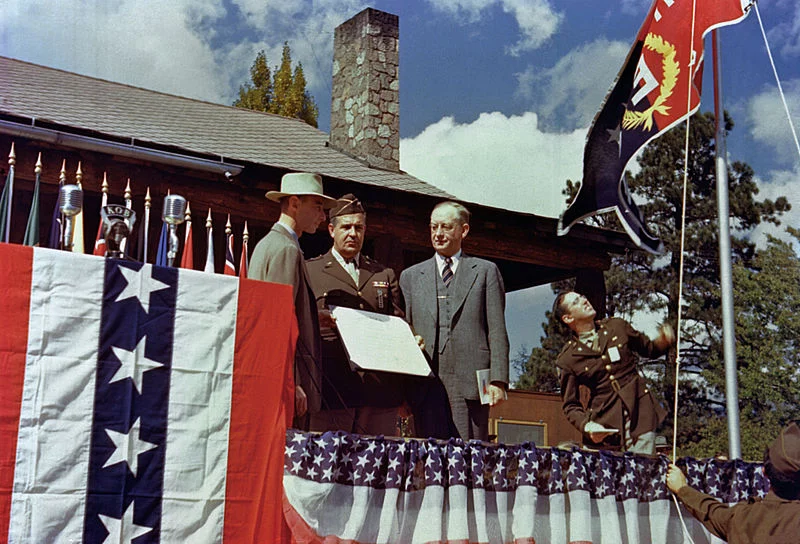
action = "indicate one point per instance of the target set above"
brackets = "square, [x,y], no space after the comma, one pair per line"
[283,93]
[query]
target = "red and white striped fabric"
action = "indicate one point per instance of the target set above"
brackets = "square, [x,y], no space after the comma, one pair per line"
[140,402]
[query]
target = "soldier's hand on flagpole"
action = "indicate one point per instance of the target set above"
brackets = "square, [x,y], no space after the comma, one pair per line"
[300,401]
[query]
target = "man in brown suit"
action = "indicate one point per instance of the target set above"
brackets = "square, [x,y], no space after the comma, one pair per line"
[360,402]
[774,519]
[622,412]
[279,259]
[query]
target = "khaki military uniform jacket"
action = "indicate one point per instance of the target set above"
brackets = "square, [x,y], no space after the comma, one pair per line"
[611,374]
[772,520]
[377,291]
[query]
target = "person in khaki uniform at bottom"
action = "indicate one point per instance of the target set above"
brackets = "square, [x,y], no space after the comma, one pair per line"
[775,519]
[603,357]
[359,402]
[278,258]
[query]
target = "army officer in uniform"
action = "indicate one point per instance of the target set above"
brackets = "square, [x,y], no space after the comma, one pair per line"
[622,412]
[353,401]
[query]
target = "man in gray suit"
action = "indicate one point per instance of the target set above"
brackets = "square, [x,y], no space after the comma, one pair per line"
[457,303]
[278,258]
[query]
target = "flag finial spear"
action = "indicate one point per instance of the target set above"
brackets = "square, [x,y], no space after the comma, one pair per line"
[62,177]
[147,199]
[228,229]
[188,215]
[38,168]
[12,156]
[104,186]
[79,175]
[208,219]
[246,234]
[127,193]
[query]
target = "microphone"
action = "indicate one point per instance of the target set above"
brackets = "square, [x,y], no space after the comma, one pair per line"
[70,203]
[173,214]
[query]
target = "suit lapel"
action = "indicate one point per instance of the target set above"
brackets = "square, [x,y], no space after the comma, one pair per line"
[465,277]
[426,286]
[364,273]
[334,269]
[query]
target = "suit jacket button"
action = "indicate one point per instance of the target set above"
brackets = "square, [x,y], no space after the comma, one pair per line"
[646,390]
[611,377]
[359,293]
[587,369]
[608,367]
[361,305]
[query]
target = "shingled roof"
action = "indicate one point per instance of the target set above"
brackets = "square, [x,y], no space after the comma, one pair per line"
[146,117]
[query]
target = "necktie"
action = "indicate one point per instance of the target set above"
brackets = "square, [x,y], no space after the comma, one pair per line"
[447,272]
[352,269]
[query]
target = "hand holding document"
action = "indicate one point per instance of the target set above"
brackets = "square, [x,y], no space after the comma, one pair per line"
[379,342]
[485,388]
[598,432]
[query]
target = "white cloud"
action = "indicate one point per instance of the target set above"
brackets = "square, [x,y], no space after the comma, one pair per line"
[768,122]
[193,48]
[569,94]
[780,183]
[786,34]
[507,162]
[121,41]
[537,19]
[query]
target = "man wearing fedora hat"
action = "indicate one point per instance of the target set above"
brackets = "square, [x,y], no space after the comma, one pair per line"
[360,402]
[278,258]
[774,519]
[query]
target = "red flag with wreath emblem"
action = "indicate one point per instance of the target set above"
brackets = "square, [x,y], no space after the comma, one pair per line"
[652,94]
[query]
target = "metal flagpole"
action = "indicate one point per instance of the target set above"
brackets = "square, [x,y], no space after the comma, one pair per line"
[725,265]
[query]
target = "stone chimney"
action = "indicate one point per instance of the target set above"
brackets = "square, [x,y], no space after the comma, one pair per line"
[365,98]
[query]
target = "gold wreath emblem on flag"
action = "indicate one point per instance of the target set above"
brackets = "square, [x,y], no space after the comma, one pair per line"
[671,69]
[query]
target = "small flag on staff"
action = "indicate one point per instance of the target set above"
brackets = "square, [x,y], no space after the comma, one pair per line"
[57,223]
[244,262]
[659,79]
[6,200]
[161,255]
[187,258]
[100,241]
[210,247]
[32,229]
[230,268]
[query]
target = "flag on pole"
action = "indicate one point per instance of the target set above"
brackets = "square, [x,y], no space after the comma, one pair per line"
[77,221]
[133,401]
[32,229]
[57,222]
[161,254]
[210,244]
[657,88]
[230,268]
[187,257]
[244,261]
[6,200]
[100,241]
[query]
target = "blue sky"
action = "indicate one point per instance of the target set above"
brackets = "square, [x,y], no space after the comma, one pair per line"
[496,96]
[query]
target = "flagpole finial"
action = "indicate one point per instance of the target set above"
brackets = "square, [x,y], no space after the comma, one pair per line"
[128,191]
[228,229]
[208,219]
[79,175]
[246,234]
[62,177]
[12,156]
[188,215]
[38,168]
[147,199]
[104,186]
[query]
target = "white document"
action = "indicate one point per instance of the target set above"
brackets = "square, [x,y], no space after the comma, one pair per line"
[379,342]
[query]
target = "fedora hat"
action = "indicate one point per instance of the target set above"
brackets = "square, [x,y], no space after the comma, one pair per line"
[302,184]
